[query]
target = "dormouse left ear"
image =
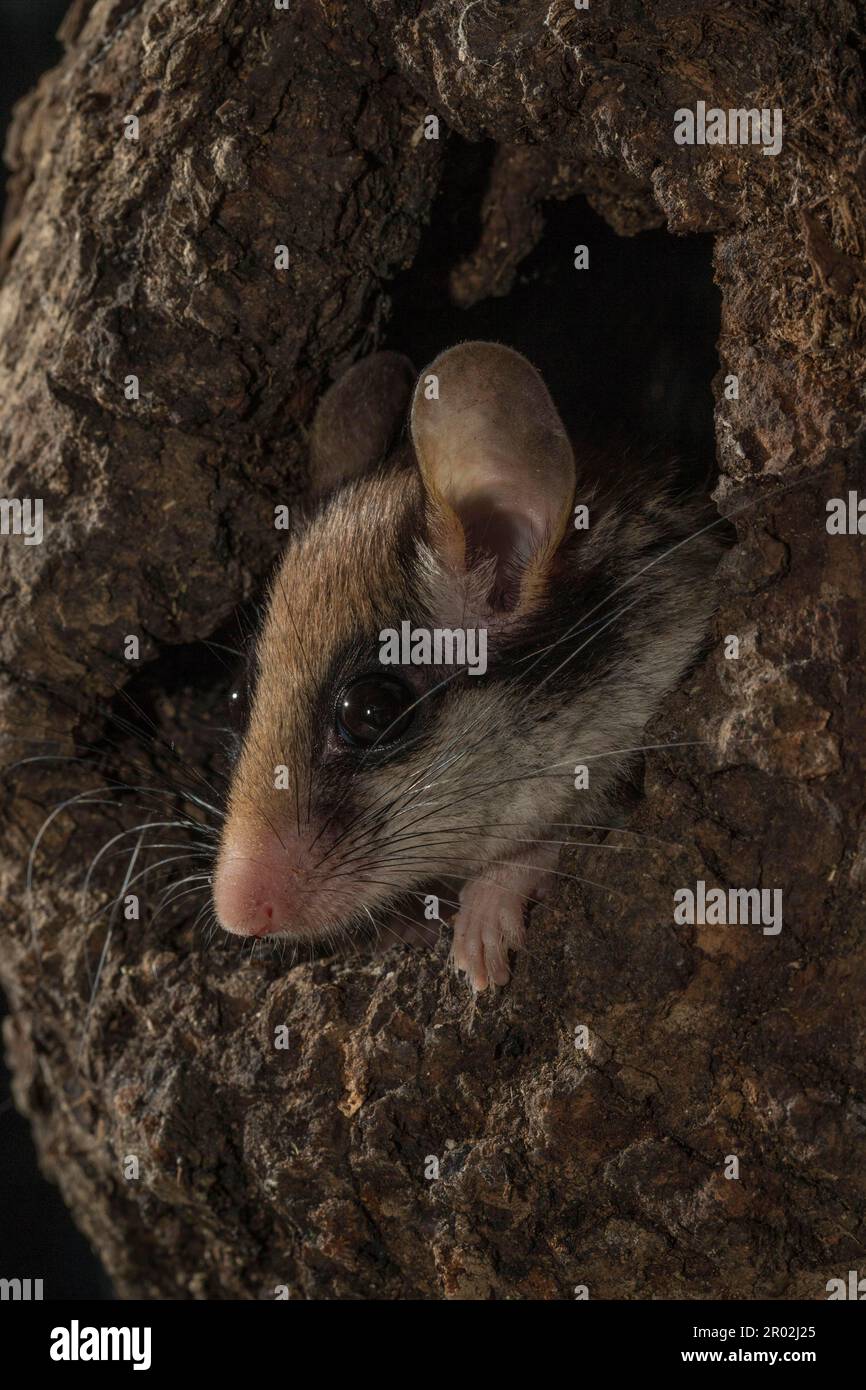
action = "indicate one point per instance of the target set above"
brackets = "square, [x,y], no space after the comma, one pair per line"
[497,466]
[359,419]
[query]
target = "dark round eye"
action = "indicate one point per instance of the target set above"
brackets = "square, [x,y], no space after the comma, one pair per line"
[374,709]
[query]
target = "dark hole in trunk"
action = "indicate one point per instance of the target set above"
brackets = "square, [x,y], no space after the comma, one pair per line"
[627,347]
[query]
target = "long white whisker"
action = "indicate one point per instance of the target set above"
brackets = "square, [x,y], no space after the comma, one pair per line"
[37,840]
[132,860]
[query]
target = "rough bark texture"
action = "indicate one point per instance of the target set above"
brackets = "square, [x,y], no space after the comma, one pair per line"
[559,1166]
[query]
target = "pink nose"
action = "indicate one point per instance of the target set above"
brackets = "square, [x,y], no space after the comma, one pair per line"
[259,882]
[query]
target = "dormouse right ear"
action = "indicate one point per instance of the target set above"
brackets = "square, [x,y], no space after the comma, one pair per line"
[359,418]
[497,466]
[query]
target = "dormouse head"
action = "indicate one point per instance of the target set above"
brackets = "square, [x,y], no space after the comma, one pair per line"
[382,713]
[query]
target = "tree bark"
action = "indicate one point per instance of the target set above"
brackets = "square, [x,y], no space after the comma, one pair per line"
[558,1165]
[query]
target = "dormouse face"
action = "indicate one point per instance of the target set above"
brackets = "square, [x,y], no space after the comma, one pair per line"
[383,718]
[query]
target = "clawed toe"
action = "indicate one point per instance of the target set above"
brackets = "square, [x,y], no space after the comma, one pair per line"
[488,924]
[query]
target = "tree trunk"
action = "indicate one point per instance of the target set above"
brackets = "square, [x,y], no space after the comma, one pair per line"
[309,1166]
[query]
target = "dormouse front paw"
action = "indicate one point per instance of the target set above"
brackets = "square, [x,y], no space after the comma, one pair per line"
[491,917]
[489,923]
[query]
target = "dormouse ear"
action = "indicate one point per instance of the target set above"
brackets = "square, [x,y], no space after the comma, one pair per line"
[359,419]
[497,466]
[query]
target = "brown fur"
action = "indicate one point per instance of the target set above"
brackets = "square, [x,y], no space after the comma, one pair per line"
[487,770]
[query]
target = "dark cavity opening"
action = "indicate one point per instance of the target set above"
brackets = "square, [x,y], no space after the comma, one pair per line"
[627,347]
